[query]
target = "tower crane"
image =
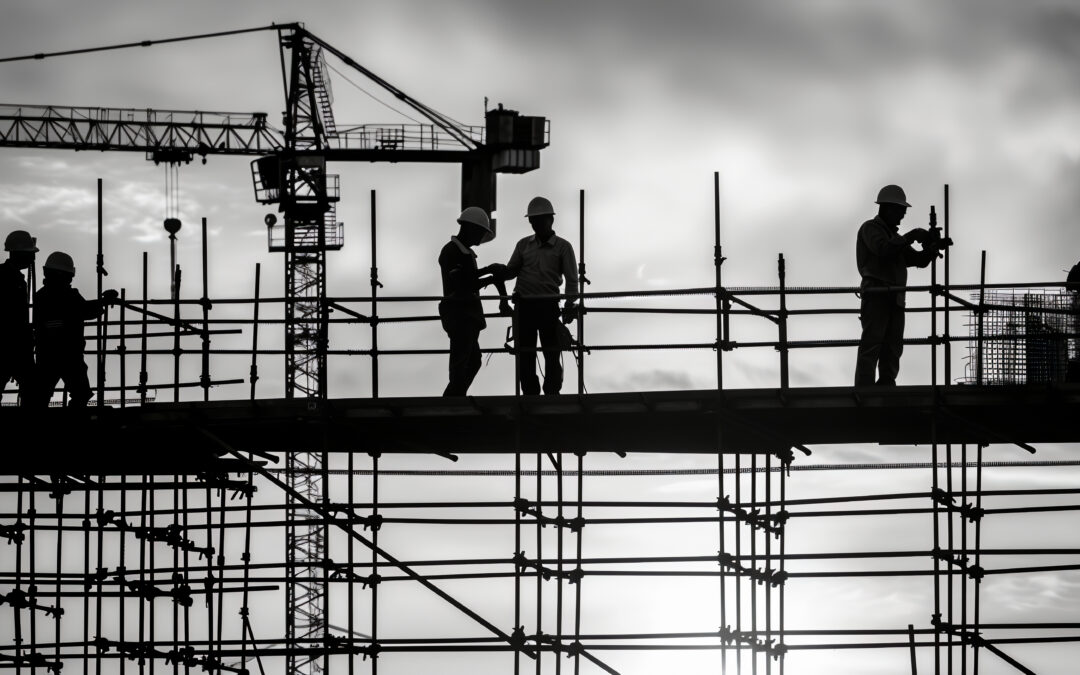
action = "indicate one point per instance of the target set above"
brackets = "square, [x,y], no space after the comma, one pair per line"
[290,171]
[291,166]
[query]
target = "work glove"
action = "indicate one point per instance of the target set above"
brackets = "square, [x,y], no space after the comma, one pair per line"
[109,296]
[569,312]
[497,270]
[919,234]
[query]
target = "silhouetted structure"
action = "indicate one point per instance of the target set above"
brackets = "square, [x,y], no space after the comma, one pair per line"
[188,543]
[16,338]
[540,262]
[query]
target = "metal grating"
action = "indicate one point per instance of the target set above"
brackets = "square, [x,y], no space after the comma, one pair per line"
[1027,336]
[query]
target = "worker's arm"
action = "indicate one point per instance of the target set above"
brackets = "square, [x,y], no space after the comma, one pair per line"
[569,271]
[931,248]
[887,244]
[512,268]
[495,279]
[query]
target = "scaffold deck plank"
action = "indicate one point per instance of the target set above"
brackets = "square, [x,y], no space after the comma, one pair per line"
[186,437]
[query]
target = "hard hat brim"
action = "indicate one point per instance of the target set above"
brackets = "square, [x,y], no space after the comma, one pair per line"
[893,201]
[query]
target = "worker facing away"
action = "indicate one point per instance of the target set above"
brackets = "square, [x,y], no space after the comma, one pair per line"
[16,336]
[460,309]
[59,314]
[883,256]
[540,263]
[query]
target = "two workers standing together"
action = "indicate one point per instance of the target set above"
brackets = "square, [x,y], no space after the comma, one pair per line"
[38,354]
[540,262]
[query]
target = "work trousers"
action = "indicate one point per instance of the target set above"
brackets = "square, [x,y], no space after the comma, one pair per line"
[22,375]
[882,340]
[72,371]
[464,359]
[538,318]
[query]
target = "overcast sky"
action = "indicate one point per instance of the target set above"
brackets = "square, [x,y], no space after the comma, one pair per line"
[804,108]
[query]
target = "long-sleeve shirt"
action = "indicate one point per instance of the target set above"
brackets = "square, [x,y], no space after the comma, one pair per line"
[541,266]
[15,336]
[883,255]
[60,312]
[461,286]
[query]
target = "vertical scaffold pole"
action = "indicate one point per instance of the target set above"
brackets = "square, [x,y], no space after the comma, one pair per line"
[122,348]
[254,371]
[375,286]
[933,309]
[350,601]
[103,319]
[582,280]
[204,376]
[979,321]
[374,561]
[978,550]
[580,577]
[937,560]
[176,333]
[754,558]
[768,558]
[948,344]
[782,316]
[539,557]
[950,548]
[143,376]
[721,297]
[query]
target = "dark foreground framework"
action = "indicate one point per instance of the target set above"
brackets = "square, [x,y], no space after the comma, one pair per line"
[152,538]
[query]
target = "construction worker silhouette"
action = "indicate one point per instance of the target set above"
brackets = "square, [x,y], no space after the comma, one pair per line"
[59,314]
[16,336]
[883,256]
[460,310]
[539,263]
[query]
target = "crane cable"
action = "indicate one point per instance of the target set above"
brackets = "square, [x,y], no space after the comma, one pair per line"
[146,43]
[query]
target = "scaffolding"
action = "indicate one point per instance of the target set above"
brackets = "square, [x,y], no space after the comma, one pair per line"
[522,557]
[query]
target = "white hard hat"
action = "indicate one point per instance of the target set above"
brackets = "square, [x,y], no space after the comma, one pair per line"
[476,216]
[60,261]
[892,194]
[539,206]
[20,240]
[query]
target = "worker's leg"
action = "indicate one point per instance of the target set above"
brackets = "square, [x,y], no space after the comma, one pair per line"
[6,372]
[464,360]
[874,312]
[77,383]
[892,346]
[23,377]
[549,342]
[526,331]
[46,376]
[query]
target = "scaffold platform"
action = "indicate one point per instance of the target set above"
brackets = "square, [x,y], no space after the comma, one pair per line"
[187,437]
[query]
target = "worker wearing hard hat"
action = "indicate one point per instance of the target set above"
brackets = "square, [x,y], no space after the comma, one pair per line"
[883,256]
[460,310]
[16,337]
[59,314]
[540,262]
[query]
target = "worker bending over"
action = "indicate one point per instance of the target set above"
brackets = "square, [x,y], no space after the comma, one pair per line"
[883,256]
[59,314]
